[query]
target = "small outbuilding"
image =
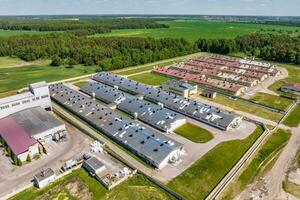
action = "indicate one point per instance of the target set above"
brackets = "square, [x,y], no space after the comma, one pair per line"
[180,87]
[209,94]
[94,166]
[44,178]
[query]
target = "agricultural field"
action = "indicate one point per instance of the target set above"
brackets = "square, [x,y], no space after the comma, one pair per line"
[149,78]
[194,133]
[247,107]
[7,33]
[191,30]
[79,185]
[273,101]
[274,144]
[293,119]
[198,180]
[35,73]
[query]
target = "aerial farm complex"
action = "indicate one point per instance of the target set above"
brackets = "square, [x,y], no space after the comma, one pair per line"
[114,126]
[221,73]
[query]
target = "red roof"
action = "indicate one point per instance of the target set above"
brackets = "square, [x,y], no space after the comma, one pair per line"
[15,136]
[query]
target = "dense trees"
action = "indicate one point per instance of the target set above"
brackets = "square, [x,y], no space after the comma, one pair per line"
[79,26]
[108,53]
[268,46]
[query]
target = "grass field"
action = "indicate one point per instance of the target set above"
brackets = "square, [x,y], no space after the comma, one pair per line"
[191,30]
[12,78]
[194,133]
[249,108]
[80,84]
[293,119]
[79,185]
[269,149]
[273,101]
[7,33]
[7,62]
[291,188]
[149,78]
[198,180]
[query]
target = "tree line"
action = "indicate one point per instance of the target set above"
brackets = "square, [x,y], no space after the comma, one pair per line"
[273,47]
[107,52]
[87,26]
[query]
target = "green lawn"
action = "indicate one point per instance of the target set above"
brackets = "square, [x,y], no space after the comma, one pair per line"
[80,84]
[7,33]
[249,108]
[198,180]
[8,61]
[79,185]
[293,119]
[16,78]
[294,77]
[149,78]
[191,30]
[269,149]
[194,133]
[273,101]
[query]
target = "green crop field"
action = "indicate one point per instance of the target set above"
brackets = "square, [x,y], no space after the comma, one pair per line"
[149,78]
[198,180]
[7,33]
[273,145]
[79,185]
[194,133]
[16,78]
[273,101]
[191,30]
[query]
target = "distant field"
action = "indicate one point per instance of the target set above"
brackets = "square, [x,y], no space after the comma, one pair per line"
[7,33]
[273,145]
[194,133]
[79,185]
[197,181]
[149,78]
[12,78]
[191,30]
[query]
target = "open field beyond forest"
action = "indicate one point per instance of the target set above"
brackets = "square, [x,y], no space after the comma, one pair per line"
[191,30]
[198,180]
[194,133]
[79,185]
[7,33]
[270,148]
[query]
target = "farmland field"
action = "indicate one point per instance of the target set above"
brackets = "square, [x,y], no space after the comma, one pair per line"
[7,33]
[191,30]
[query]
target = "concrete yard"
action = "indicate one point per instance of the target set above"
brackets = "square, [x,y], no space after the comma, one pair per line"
[14,179]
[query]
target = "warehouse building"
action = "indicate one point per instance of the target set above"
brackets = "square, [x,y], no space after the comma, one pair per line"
[22,130]
[180,87]
[150,113]
[154,147]
[196,110]
[291,88]
[38,96]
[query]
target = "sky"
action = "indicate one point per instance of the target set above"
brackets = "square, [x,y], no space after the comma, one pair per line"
[104,7]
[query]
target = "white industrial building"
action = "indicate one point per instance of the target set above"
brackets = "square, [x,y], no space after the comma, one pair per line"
[38,96]
[44,178]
